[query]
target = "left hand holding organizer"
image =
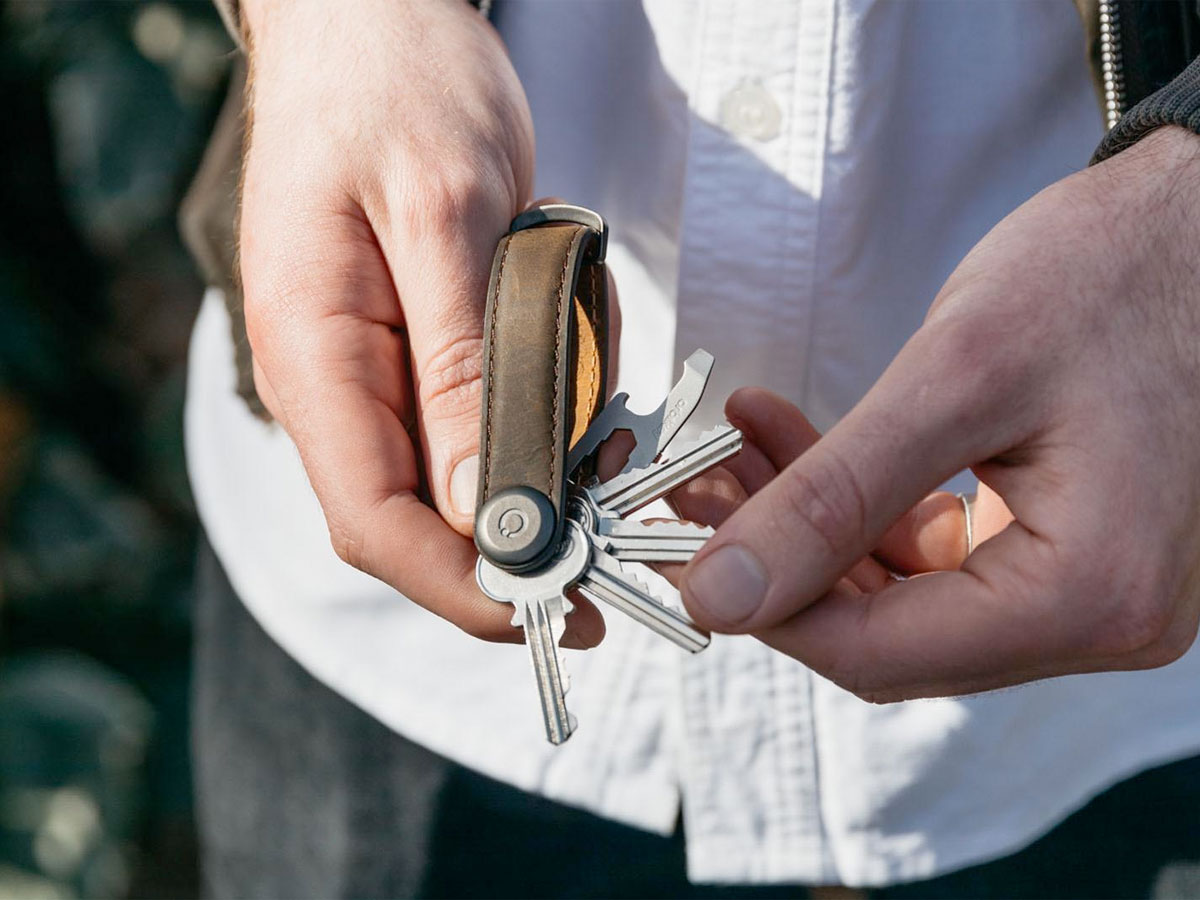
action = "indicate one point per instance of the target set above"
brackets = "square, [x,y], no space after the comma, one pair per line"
[543,525]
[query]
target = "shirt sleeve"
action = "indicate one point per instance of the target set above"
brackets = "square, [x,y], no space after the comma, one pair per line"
[1177,103]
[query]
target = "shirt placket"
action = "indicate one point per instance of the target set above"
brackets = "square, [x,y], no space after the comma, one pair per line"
[751,195]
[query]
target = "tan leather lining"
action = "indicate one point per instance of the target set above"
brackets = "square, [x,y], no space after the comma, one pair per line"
[590,355]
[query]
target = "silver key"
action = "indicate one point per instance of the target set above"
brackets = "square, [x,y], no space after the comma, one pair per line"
[541,609]
[632,541]
[597,539]
[652,542]
[605,578]
[631,491]
[652,431]
[605,581]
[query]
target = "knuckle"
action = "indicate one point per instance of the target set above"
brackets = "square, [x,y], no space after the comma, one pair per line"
[848,677]
[347,545]
[347,534]
[459,192]
[277,291]
[449,383]
[487,630]
[853,679]
[258,318]
[878,697]
[961,342]
[970,365]
[976,357]
[825,500]
[1173,645]
[1177,641]
[272,312]
[847,665]
[440,201]
[265,393]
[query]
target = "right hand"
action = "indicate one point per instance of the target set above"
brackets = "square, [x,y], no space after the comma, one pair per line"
[390,144]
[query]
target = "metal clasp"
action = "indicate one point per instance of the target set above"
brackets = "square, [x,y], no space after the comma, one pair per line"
[565,212]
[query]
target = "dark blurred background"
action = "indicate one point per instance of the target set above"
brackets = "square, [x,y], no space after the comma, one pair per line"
[107,107]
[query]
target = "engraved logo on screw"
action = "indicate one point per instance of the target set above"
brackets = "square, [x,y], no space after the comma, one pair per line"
[512,523]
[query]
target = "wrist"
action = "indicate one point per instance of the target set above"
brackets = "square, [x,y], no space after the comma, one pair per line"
[1162,171]
[1170,144]
[1164,161]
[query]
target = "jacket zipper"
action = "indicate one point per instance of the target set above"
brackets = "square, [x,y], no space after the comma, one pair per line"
[1111,62]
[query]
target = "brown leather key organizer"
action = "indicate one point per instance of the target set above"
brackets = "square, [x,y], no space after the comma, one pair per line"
[547,529]
[544,375]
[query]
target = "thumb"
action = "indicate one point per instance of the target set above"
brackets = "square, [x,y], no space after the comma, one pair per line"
[792,541]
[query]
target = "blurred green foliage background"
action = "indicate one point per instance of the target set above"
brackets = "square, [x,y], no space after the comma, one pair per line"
[108,105]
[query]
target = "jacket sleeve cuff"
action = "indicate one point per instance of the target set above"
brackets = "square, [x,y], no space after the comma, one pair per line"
[1177,103]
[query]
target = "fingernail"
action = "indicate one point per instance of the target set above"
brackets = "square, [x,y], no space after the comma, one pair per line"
[463,483]
[729,584]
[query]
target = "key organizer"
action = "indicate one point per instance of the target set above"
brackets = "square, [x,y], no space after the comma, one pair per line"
[543,525]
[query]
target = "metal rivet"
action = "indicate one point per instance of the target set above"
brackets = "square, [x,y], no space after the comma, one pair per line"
[514,528]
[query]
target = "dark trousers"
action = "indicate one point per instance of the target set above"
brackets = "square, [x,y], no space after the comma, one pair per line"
[301,794]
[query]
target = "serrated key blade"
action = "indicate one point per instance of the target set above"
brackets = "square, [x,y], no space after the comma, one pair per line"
[651,542]
[605,581]
[631,491]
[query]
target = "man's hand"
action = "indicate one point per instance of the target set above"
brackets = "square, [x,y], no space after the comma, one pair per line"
[1061,362]
[391,143]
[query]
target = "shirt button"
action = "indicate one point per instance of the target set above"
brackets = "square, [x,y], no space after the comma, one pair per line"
[749,111]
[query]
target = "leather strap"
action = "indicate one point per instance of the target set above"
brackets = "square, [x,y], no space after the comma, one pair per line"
[545,366]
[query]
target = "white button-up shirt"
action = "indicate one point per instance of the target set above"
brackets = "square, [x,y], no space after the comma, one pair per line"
[788,185]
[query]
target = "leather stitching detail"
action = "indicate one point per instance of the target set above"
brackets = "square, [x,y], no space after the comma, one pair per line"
[593,366]
[554,418]
[600,324]
[487,461]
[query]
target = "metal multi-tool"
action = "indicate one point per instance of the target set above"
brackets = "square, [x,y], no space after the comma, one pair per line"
[533,561]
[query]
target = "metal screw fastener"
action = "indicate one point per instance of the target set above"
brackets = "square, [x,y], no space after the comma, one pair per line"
[514,528]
